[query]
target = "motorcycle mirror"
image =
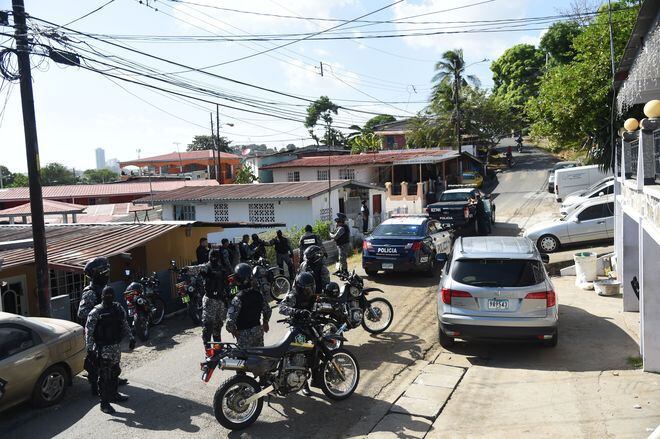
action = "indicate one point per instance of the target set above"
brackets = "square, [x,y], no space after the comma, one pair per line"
[545,258]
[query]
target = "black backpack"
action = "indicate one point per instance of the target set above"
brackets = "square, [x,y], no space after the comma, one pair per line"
[109,325]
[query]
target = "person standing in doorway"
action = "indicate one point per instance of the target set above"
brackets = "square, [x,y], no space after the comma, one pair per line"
[364,212]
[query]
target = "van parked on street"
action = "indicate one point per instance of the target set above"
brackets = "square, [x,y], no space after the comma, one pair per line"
[570,180]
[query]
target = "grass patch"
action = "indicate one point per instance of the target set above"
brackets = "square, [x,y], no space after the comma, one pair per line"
[636,362]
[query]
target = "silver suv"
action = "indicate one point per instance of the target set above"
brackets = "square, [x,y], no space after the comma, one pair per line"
[496,287]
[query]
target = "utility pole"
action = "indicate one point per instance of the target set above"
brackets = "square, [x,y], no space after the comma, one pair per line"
[217,132]
[32,150]
[179,152]
[213,148]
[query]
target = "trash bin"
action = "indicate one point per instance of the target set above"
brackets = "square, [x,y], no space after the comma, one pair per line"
[586,269]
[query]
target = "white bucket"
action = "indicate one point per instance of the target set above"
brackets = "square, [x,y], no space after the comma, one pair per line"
[586,269]
[607,287]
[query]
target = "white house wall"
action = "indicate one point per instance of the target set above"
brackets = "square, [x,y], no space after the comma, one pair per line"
[363,174]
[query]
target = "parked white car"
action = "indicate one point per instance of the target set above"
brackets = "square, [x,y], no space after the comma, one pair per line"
[600,189]
[591,221]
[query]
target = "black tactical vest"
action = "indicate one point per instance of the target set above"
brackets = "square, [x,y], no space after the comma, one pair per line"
[251,304]
[108,326]
[343,239]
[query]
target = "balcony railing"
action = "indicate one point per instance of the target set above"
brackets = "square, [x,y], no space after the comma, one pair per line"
[656,154]
[634,151]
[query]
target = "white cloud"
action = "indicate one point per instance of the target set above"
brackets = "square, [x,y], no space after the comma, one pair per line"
[475,45]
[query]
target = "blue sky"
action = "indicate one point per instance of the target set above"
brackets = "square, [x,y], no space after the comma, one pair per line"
[78,111]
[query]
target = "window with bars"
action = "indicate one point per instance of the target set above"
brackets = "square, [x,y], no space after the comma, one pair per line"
[322,174]
[221,211]
[347,174]
[67,283]
[262,212]
[184,213]
[293,176]
[326,214]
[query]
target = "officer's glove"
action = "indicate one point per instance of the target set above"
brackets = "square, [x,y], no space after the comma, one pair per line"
[131,344]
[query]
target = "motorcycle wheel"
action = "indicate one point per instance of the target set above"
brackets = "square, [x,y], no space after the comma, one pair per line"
[195,310]
[340,375]
[156,316]
[279,287]
[141,328]
[378,316]
[227,402]
[331,328]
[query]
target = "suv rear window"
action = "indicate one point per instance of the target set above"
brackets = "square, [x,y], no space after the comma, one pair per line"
[399,230]
[455,196]
[504,273]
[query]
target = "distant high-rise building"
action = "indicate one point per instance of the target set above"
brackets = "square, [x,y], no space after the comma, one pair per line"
[100,158]
[113,165]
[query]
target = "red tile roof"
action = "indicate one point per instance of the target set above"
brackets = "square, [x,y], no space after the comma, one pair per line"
[101,190]
[175,157]
[50,207]
[263,191]
[379,158]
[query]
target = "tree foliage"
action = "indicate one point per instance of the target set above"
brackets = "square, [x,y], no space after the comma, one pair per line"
[206,142]
[486,117]
[450,71]
[430,131]
[365,142]
[56,174]
[323,109]
[557,42]
[244,175]
[99,176]
[574,103]
[377,120]
[516,79]
[20,180]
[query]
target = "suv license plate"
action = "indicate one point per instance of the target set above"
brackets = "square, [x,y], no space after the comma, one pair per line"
[388,266]
[498,304]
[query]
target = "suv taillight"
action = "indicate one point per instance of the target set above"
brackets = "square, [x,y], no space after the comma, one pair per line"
[447,294]
[466,212]
[414,246]
[366,245]
[549,296]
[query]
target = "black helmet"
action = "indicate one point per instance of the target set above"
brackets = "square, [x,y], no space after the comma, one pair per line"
[135,286]
[340,218]
[108,295]
[98,269]
[308,228]
[331,290]
[305,284]
[243,274]
[313,254]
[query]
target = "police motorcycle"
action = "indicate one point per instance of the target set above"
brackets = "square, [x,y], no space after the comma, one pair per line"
[190,288]
[280,369]
[271,281]
[350,308]
[145,306]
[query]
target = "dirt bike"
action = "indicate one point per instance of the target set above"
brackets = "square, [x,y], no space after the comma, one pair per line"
[271,281]
[146,309]
[282,369]
[190,288]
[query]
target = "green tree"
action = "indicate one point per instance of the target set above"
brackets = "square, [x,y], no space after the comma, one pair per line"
[206,142]
[557,42]
[450,71]
[377,120]
[20,180]
[430,131]
[516,79]
[244,175]
[574,103]
[365,142]
[99,176]
[486,116]
[6,176]
[54,174]
[323,108]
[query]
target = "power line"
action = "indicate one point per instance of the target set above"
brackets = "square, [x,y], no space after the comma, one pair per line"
[89,13]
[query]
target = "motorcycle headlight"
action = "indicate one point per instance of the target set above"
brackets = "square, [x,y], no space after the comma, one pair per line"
[191,289]
[140,301]
[354,292]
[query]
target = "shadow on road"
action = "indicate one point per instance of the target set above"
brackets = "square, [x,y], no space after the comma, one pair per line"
[587,342]
[388,346]
[404,280]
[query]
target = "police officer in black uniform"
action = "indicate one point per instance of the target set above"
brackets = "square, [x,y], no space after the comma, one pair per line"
[342,237]
[308,239]
[283,253]
[246,309]
[214,303]
[244,249]
[105,328]
[258,247]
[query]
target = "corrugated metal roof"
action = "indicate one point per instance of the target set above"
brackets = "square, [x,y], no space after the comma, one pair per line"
[379,158]
[176,157]
[264,191]
[72,245]
[101,190]
[50,207]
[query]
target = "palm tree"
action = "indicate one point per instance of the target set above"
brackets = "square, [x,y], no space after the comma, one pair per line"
[450,75]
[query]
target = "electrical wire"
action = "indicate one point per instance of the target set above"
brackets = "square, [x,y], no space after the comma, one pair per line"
[89,13]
